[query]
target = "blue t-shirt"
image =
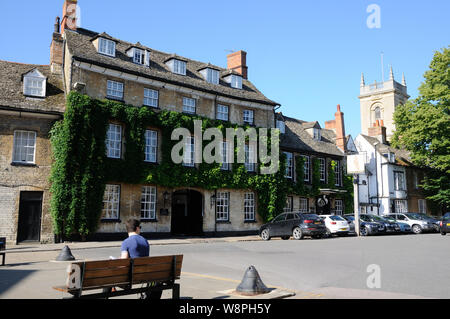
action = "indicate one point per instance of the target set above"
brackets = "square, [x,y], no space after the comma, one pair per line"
[137,246]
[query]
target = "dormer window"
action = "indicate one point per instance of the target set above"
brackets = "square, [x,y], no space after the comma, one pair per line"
[139,55]
[107,47]
[34,84]
[236,81]
[281,126]
[210,75]
[317,134]
[176,66]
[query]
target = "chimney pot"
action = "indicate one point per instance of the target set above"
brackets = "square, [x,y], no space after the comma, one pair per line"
[69,17]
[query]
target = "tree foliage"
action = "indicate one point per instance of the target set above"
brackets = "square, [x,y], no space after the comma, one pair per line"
[423,128]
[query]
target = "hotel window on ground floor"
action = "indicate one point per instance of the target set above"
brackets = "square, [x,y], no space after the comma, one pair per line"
[422,206]
[339,207]
[289,204]
[223,206]
[249,207]
[401,206]
[303,208]
[148,202]
[111,202]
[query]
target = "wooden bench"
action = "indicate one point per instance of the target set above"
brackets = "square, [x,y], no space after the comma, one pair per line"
[153,274]
[3,249]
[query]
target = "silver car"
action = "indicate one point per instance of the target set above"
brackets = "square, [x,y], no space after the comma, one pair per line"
[415,221]
[404,227]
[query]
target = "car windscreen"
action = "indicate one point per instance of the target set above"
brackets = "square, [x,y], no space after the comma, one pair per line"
[350,218]
[311,216]
[389,218]
[365,218]
[377,218]
[337,218]
[414,216]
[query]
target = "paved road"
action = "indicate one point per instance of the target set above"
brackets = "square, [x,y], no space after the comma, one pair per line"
[411,266]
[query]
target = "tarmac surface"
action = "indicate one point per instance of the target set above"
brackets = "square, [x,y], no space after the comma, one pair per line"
[31,270]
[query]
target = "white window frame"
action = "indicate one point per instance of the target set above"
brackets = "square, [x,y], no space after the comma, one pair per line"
[401,206]
[179,67]
[236,81]
[212,76]
[107,47]
[222,112]
[337,173]
[148,202]
[34,86]
[306,168]
[224,150]
[139,56]
[114,89]
[189,105]
[223,206]
[289,205]
[111,202]
[114,141]
[317,134]
[151,146]
[24,147]
[249,152]
[303,205]
[399,181]
[323,169]
[151,97]
[188,156]
[289,165]
[249,207]
[249,117]
[339,207]
[422,204]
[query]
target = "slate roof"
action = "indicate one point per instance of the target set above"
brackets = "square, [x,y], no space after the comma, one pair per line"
[80,45]
[296,138]
[11,89]
[402,157]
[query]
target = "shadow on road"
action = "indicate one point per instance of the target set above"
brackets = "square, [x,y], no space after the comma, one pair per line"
[10,278]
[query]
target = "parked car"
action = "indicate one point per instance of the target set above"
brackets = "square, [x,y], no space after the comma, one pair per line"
[417,223]
[436,222]
[293,224]
[445,224]
[351,224]
[367,226]
[389,226]
[336,225]
[404,227]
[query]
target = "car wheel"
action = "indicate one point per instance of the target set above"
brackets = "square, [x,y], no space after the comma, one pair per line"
[364,231]
[265,234]
[285,237]
[443,234]
[297,233]
[328,233]
[416,229]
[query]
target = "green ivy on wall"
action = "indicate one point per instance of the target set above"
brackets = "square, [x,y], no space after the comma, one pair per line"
[81,168]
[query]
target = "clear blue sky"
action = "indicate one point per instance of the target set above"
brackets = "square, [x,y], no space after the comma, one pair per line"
[306,55]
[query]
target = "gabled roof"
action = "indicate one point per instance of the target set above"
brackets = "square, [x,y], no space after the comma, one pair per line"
[80,45]
[11,88]
[402,157]
[296,138]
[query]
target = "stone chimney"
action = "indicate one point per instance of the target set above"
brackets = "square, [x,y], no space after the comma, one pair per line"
[56,49]
[69,17]
[338,126]
[378,130]
[237,61]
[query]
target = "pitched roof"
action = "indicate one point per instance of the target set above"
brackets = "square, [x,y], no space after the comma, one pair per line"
[81,47]
[11,88]
[296,138]
[402,157]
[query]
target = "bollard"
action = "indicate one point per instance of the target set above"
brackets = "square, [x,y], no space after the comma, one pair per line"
[65,255]
[252,284]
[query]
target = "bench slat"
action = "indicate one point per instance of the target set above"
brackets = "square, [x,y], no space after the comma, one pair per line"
[151,268]
[99,273]
[124,279]
[156,260]
[105,264]
[153,276]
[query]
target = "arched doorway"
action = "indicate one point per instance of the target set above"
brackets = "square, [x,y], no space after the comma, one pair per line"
[187,212]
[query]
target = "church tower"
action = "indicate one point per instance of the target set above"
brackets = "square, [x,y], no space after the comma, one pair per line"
[378,102]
